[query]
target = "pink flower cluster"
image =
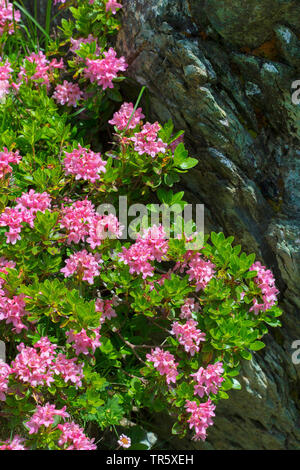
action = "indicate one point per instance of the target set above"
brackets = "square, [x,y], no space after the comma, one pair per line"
[8,14]
[15,444]
[73,438]
[188,308]
[146,140]
[25,211]
[44,416]
[106,308]
[84,164]
[5,372]
[5,76]
[200,271]
[112,6]
[83,342]
[43,68]
[12,310]
[150,246]
[67,93]
[266,282]
[120,118]
[165,363]
[188,335]
[7,158]
[84,264]
[4,263]
[209,379]
[39,367]
[201,417]
[76,43]
[84,224]
[103,71]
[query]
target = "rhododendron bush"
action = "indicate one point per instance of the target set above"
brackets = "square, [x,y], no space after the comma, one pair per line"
[101,330]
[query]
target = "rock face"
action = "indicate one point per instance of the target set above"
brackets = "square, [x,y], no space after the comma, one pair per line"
[223,71]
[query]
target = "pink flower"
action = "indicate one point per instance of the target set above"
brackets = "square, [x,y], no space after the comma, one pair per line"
[209,379]
[44,416]
[201,417]
[188,308]
[33,367]
[149,246]
[5,77]
[85,264]
[84,164]
[105,307]
[15,444]
[42,70]
[165,363]
[76,219]
[12,310]
[124,441]
[7,158]
[113,5]
[83,342]
[73,438]
[121,117]
[103,71]
[200,271]
[25,211]
[5,371]
[188,335]
[68,93]
[69,369]
[8,15]
[146,140]
[266,282]
[76,43]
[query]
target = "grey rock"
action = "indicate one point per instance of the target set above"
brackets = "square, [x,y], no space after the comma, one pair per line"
[206,65]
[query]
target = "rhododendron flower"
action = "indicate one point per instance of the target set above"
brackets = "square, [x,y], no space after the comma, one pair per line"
[188,308]
[105,306]
[76,43]
[149,246]
[5,77]
[31,367]
[73,438]
[44,416]
[165,363]
[15,444]
[209,379]
[84,164]
[124,441]
[201,417]
[69,369]
[120,118]
[43,68]
[103,71]
[4,264]
[12,310]
[83,342]
[188,335]
[7,158]
[68,93]
[146,141]
[113,5]
[200,271]
[84,264]
[8,15]
[266,282]
[5,371]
